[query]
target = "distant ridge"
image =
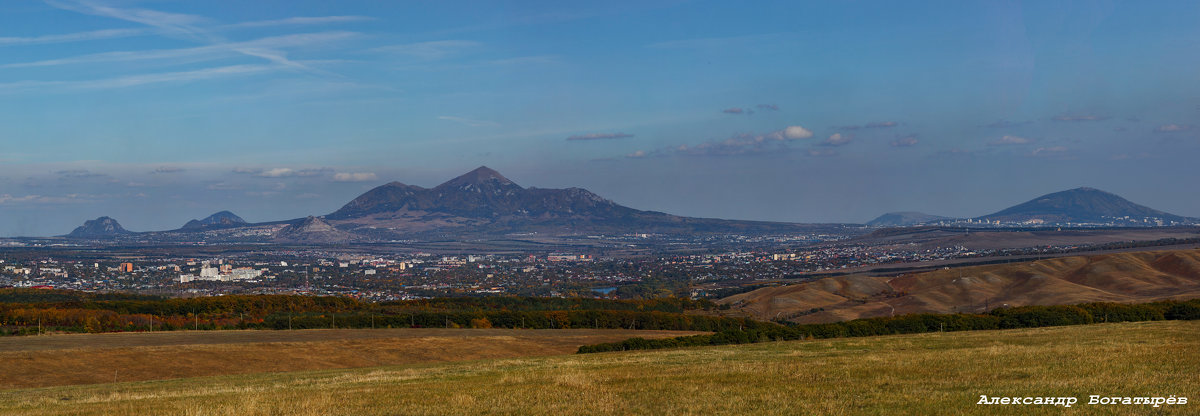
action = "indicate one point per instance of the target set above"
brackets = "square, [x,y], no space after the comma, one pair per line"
[904,219]
[103,227]
[1080,205]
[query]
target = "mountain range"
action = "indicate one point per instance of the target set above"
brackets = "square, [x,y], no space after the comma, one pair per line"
[483,202]
[480,202]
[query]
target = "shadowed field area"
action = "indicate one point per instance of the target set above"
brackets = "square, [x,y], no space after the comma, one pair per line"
[933,373]
[36,361]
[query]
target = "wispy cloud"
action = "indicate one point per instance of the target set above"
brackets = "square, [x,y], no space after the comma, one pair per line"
[837,139]
[77,173]
[281,172]
[1048,151]
[354,176]
[1080,117]
[1008,140]
[430,51]
[999,124]
[734,110]
[741,144]
[289,172]
[710,43]
[7,199]
[196,54]
[175,23]
[136,80]
[905,141]
[872,125]
[166,169]
[1171,128]
[297,21]
[599,136]
[820,152]
[72,37]
[469,121]
[767,107]
[524,60]
[186,26]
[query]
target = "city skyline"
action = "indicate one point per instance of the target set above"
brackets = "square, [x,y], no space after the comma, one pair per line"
[157,112]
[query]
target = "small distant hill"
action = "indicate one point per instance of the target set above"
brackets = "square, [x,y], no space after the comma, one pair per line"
[904,219]
[1080,205]
[219,220]
[103,227]
[1122,277]
[311,230]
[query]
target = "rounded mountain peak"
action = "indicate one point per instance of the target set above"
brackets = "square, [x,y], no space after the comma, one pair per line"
[482,175]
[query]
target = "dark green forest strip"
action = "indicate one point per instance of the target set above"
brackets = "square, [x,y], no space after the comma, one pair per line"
[1003,318]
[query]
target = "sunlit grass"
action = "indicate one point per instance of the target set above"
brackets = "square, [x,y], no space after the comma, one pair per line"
[936,373]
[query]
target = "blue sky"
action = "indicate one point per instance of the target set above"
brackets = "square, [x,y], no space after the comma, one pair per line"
[155,112]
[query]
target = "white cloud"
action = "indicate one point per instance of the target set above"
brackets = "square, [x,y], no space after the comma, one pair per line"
[797,132]
[636,155]
[354,177]
[837,139]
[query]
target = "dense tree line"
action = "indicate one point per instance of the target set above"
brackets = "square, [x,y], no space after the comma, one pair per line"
[66,311]
[1003,318]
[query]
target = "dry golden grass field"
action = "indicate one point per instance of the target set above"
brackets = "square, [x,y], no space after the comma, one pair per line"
[923,374]
[53,360]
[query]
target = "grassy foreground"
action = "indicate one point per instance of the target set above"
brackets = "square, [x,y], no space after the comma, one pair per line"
[932,373]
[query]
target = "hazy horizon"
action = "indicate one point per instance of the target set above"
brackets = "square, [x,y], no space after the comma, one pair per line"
[155,112]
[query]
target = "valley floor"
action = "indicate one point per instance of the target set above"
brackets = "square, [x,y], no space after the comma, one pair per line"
[933,373]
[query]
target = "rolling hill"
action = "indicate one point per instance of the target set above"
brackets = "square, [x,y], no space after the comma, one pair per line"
[1080,205]
[1123,277]
[903,219]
